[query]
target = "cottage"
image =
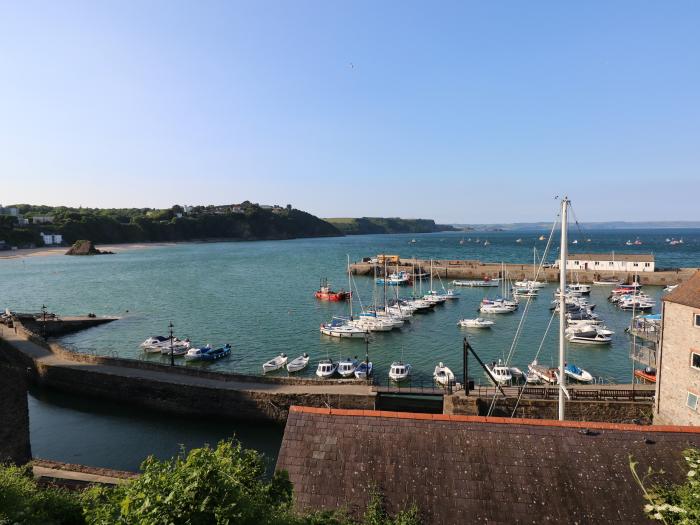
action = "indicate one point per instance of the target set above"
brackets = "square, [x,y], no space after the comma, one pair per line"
[678,357]
[42,219]
[612,262]
[52,238]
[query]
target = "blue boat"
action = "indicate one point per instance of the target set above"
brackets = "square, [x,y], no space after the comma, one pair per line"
[207,353]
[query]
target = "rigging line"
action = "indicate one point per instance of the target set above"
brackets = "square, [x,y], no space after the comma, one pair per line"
[547,246]
[522,390]
[359,300]
[578,225]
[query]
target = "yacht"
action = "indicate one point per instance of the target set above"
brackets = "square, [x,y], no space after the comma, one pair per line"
[341,327]
[479,322]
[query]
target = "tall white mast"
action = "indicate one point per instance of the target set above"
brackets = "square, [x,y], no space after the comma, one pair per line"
[562,305]
[350,285]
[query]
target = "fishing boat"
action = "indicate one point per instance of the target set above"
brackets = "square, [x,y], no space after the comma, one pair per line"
[499,372]
[479,322]
[647,374]
[579,374]
[399,371]
[326,368]
[275,363]
[363,370]
[298,363]
[395,279]
[346,367]
[443,375]
[325,293]
[195,354]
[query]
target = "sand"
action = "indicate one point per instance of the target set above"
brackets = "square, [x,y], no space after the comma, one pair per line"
[61,250]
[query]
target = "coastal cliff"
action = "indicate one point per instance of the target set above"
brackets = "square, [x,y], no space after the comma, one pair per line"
[369,225]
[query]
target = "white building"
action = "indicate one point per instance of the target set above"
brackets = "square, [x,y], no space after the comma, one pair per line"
[610,262]
[9,211]
[52,238]
[42,219]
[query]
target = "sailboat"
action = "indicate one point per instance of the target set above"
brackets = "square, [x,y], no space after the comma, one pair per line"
[341,327]
[432,296]
[534,283]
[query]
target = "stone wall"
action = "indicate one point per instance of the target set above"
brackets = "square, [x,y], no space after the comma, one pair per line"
[676,378]
[14,416]
[608,411]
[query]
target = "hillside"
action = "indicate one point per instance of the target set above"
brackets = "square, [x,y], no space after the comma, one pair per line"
[246,221]
[369,225]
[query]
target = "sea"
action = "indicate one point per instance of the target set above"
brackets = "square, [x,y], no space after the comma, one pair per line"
[259,297]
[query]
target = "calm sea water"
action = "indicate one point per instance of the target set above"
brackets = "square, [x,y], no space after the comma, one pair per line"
[258,296]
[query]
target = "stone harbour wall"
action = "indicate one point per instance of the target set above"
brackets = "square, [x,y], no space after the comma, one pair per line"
[14,416]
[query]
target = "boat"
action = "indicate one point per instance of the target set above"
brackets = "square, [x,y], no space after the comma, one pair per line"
[670,288]
[363,370]
[518,241]
[608,281]
[486,242]
[595,339]
[541,237]
[346,367]
[195,354]
[275,363]
[341,328]
[325,293]
[298,363]
[525,292]
[575,241]
[154,341]
[413,241]
[579,374]
[399,371]
[499,372]
[326,368]
[547,375]
[179,347]
[443,375]
[484,283]
[647,374]
[479,322]
[583,289]
[395,279]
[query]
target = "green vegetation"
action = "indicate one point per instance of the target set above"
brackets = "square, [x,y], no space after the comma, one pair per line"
[245,221]
[222,485]
[367,225]
[673,504]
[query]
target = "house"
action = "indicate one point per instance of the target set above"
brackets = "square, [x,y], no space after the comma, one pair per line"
[42,219]
[612,262]
[9,211]
[678,357]
[51,238]
[467,469]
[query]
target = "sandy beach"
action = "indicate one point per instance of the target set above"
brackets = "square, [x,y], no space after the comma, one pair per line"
[61,250]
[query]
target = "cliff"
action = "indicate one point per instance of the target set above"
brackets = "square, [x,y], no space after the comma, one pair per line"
[369,225]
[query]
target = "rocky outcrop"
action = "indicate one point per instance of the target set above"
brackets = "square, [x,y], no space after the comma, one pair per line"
[84,247]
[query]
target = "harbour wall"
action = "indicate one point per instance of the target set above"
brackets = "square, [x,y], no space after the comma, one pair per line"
[468,269]
[14,416]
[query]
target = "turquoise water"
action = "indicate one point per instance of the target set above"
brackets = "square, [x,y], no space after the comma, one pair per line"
[258,296]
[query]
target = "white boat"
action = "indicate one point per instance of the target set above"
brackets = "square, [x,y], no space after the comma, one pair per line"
[525,292]
[499,372]
[179,347]
[451,294]
[479,322]
[340,327]
[485,283]
[610,281]
[157,340]
[670,288]
[326,368]
[597,339]
[298,363]
[275,363]
[547,375]
[346,367]
[583,289]
[498,306]
[579,374]
[529,284]
[399,371]
[363,370]
[443,375]
[197,353]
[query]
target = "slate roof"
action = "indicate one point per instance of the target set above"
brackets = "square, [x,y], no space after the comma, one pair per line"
[461,469]
[631,257]
[687,293]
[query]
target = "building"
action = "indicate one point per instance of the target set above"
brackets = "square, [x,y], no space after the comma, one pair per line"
[9,211]
[466,469]
[42,219]
[678,357]
[52,238]
[610,262]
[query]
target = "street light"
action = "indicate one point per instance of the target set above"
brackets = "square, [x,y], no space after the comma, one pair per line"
[172,356]
[43,321]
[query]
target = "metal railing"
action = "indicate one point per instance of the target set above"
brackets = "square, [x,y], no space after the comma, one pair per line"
[552,392]
[419,386]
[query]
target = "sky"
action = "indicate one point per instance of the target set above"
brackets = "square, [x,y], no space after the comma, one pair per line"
[464,112]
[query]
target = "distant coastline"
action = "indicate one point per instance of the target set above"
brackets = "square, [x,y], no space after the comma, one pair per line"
[609,225]
[383,225]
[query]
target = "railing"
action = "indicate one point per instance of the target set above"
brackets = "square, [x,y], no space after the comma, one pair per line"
[416,387]
[547,392]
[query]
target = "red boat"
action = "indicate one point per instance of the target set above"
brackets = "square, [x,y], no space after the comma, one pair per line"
[647,374]
[326,294]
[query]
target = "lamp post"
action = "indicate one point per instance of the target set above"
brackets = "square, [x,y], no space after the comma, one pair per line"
[172,356]
[367,354]
[43,321]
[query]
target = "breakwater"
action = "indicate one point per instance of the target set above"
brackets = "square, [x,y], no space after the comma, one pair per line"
[449,269]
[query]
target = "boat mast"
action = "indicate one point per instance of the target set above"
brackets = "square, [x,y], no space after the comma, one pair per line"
[562,304]
[350,286]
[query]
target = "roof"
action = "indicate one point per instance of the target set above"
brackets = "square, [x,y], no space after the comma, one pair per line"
[687,293]
[633,257]
[461,469]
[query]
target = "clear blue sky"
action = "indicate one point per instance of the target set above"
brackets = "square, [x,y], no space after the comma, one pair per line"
[462,112]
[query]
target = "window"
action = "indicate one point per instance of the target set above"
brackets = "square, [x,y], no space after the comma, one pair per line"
[695,360]
[692,401]
[597,263]
[636,264]
[697,320]
[647,265]
[610,263]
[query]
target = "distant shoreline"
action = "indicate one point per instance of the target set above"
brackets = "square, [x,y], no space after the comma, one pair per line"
[47,251]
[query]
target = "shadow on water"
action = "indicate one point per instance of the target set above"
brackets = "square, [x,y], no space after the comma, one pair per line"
[88,431]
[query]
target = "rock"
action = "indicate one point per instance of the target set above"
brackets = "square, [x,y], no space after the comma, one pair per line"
[84,247]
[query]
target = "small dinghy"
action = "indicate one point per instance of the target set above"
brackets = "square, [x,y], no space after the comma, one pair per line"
[399,371]
[218,353]
[346,367]
[579,374]
[326,368]
[363,370]
[443,375]
[275,364]
[479,322]
[298,364]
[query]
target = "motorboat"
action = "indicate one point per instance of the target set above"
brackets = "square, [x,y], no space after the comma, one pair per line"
[298,363]
[179,347]
[541,238]
[216,353]
[525,292]
[479,322]
[610,281]
[157,340]
[670,288]
[451,294]
[484,283]
[346,367]
[529,284]
[399,371]
[596,339]
[326,368]
[395,279]
[543,373]
[196,354]
[275,363]
[443,375]
[363,370]
[583,289]
[579,374]
[341,327]
[647,374]
[499,372]
[497,306]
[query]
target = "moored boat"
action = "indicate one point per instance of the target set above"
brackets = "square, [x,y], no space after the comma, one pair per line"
[326,368]
[325,293]
[579,374]
[363,370]
[443,375]
[275,363]
[346,367]
[399,371]
[479,322]
[298,363]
